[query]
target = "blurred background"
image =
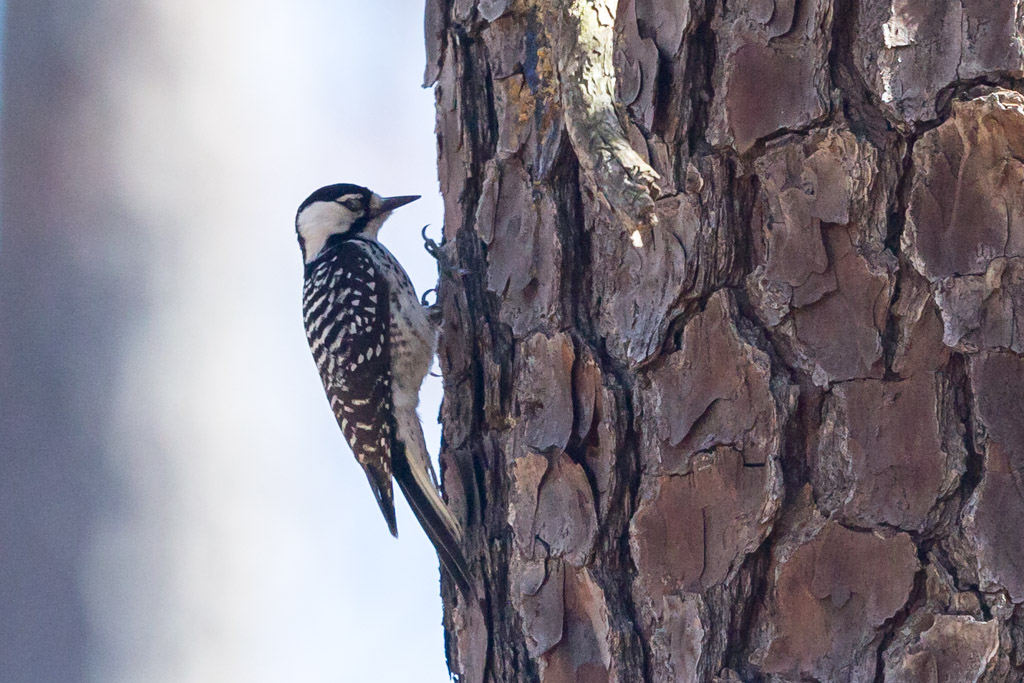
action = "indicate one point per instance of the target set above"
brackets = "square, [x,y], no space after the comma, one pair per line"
[176,500]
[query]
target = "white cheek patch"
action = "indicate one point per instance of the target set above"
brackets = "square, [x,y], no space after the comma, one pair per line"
[320,220]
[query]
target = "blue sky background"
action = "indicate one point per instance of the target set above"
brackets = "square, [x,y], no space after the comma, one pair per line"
[249,547]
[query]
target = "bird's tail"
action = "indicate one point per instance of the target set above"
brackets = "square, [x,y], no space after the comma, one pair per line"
[380,483]
[413,472]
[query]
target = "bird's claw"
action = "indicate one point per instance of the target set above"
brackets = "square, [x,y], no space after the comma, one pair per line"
[432,247]
[444,265]
[434,309]
[423,299]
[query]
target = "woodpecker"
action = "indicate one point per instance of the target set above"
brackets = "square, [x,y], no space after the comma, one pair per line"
[372,342]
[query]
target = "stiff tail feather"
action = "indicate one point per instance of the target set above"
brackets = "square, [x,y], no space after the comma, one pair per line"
[380,484]
[437,521]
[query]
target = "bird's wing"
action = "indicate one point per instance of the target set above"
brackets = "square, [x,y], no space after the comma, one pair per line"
[347,320]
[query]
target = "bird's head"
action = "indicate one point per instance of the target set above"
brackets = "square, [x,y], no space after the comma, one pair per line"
[343,209]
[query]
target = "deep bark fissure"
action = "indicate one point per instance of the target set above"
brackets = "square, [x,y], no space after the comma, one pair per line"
[860,105]
[893,624]
[755,567]
[964,402]
[700,64]
[613,531]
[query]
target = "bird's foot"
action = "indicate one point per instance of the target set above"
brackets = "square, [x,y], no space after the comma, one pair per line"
[444,264]
[433,309]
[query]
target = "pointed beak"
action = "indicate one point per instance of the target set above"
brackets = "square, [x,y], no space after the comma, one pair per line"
[392,203]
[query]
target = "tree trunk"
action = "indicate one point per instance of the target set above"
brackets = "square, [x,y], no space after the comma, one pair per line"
[775,430]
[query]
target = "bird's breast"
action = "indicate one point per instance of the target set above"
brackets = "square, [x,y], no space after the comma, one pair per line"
[413,337]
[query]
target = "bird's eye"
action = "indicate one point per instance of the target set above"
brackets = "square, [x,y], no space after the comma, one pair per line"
[352,204]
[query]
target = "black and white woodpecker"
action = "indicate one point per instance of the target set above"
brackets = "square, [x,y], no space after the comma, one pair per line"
[373,343]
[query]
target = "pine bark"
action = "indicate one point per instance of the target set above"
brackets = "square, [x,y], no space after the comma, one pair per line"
[780,437]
